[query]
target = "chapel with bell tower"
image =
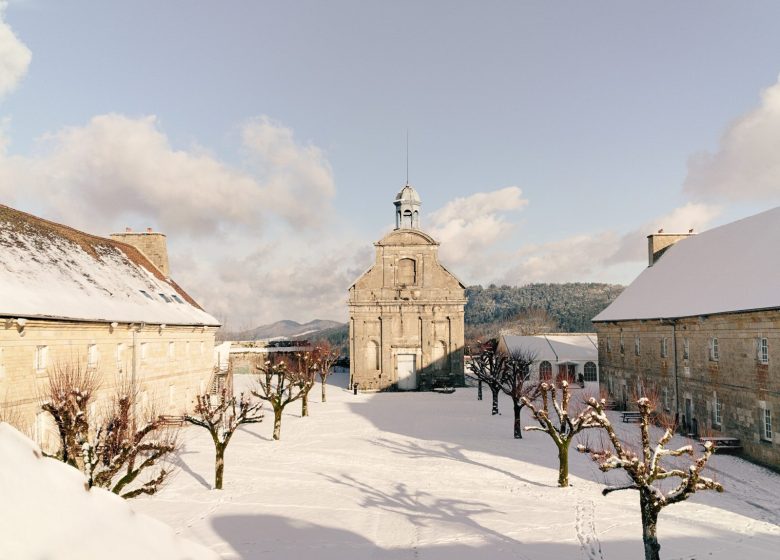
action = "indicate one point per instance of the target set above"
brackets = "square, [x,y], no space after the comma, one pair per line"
[406,312]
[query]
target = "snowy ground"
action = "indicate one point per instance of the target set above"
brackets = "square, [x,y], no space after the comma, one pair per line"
[424,475]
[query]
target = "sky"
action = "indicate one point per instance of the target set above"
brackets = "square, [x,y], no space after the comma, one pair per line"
[267,139]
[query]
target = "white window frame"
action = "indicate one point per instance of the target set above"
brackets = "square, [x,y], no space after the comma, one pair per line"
[92,355]
[766,423]
[120,354]
[41,358]
[714,349]
[717,410]
[664,347]
[686,349]
[763,350]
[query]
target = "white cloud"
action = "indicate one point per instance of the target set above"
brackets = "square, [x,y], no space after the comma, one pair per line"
[118,168]
[116,171]
[606,256]
[468,227]
[746,165]
[14,56]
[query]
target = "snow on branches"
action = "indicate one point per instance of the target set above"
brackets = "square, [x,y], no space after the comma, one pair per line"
[645,469]
[488,366]
[564,427]
[221,415]
[279,383]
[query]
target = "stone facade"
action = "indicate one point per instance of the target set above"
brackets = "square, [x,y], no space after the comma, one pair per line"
[406,312]
[692,380]
[170,364]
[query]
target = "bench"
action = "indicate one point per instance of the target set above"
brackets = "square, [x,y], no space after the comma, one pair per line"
[169,420]
[723,444]
[631,416]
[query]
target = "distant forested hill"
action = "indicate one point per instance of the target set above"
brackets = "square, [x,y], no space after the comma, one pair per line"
[572,306]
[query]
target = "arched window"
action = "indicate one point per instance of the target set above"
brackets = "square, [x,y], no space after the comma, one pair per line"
[545,371]
[590,371]
[372,355]
[407,272]
[438,356]
[407,219]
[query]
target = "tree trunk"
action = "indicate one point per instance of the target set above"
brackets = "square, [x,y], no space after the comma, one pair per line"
[322,380]
[479,390]
[219,467]
[277,423]
[563,466]
[518,422]
[305,404]
[495,391]
[649,523]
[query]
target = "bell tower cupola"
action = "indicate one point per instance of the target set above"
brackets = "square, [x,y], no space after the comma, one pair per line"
[407,209]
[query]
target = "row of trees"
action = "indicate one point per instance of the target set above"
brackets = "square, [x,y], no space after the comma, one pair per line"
[129,449]
[563,420]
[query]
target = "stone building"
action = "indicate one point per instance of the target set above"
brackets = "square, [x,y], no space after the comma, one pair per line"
[700,328]
[406,311]
[570,356]
[70,298]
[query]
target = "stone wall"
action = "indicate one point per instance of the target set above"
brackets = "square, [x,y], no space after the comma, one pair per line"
[177,364]
[689,386]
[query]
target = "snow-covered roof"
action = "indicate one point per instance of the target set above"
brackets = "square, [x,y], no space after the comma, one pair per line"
[557,348]
[726,269]
[51,271]
[47,512]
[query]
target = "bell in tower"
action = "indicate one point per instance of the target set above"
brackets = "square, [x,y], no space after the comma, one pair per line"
[407,209]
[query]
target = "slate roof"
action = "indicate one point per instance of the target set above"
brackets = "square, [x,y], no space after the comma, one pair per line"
[731,268]
[52,271]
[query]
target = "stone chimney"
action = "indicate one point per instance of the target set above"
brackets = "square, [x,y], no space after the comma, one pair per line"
[658,243]
[151,244]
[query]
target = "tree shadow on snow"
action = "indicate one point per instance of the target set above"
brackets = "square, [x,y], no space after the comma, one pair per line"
[182,464]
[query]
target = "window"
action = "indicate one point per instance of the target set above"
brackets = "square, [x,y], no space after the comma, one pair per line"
[590,371]
[171,350]
[144,350]
[622,346]
[666,398]
[92,355]
[176,298]
[664,347]
[714,352]
[201,347]
[763,350]
[766,424]
[41,353]
[407,272]
[686,348]
[120,355]
[145,293]
[187,348]
[545,371]
[717,410]
[637,348]
[165,298]
[609,345]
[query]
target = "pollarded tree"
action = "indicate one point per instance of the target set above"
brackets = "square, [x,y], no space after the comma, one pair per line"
[221,415]
[646,471]
[304,367]
[115,450]
[516,384]
[279,385]
[326,359]
[488,367]
[563,428]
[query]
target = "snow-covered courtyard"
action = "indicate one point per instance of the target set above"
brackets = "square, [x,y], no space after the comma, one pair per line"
[428,475]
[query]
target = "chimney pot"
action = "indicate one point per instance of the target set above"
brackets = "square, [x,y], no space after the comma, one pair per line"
[148,230]
[128,229]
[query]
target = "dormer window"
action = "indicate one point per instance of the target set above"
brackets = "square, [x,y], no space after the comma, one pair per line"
[144,292]
[165,298]
[407,272]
